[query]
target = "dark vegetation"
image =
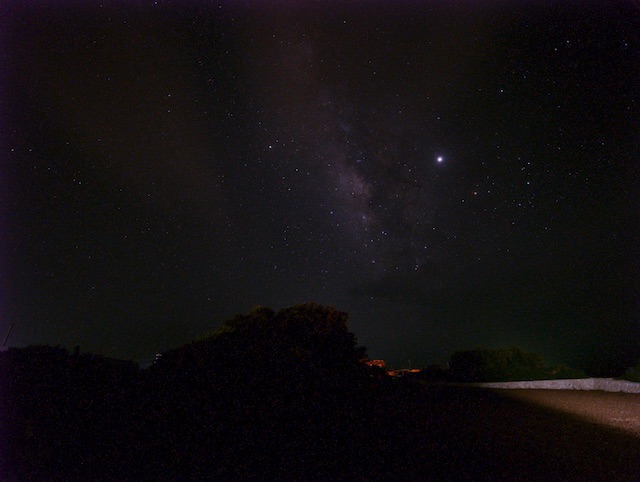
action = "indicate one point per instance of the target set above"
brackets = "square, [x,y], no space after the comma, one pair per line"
[632,374]
[269,396]
[505,365]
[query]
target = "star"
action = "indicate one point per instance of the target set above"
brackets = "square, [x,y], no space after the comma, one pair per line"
[439,159]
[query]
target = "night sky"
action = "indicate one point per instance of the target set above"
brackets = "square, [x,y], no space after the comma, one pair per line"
[451,174]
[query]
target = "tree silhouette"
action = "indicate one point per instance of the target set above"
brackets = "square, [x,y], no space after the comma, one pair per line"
[494,365]
[259,393]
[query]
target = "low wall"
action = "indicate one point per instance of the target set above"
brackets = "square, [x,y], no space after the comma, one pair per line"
[605,384]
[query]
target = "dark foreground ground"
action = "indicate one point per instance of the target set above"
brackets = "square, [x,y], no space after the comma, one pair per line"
[415,433]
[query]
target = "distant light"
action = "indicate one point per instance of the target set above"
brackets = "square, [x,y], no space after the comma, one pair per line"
[439,158]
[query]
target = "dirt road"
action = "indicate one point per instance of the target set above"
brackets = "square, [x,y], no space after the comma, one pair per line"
[618,410]
[481,434]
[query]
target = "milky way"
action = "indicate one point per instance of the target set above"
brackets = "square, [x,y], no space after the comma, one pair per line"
[450,175]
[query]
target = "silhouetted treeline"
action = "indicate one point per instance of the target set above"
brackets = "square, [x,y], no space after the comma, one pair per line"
[504,365]
[632,373]
[268,396]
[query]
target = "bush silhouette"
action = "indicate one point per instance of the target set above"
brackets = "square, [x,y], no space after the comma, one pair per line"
[276,393]
[496,365]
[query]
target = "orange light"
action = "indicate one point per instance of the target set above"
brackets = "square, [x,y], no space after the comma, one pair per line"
[375,363]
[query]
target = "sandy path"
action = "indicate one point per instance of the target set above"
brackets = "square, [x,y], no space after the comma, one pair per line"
[532,435]
[619,410]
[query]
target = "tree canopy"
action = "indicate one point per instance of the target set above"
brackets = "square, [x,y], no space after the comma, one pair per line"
[303,337]
[288,380]
[505,364]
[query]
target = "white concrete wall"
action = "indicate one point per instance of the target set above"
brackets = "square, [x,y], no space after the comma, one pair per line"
[605,384]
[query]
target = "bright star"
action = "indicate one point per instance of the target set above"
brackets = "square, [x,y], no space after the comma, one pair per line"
[439,158]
